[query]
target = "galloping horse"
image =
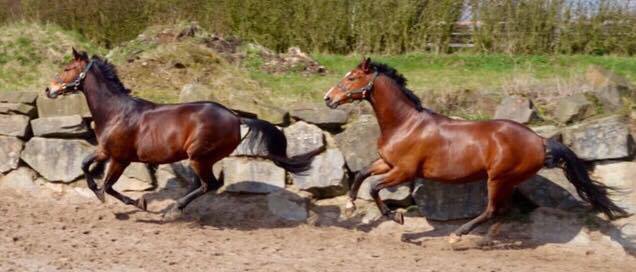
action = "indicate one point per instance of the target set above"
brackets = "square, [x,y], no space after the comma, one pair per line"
[417,142]
[131,129]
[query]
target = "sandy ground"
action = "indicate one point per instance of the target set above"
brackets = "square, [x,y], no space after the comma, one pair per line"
[50,232]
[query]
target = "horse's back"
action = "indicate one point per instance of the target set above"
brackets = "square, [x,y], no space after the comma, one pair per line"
[186,129]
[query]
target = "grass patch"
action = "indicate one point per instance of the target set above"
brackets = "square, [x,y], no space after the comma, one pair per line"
[430,74]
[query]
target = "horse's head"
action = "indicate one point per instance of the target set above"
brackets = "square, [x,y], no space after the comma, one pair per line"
[71,78]
[356,85]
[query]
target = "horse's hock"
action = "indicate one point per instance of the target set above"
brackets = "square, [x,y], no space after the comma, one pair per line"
[45,140]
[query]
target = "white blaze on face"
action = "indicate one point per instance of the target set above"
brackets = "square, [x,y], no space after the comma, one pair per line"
[332,88]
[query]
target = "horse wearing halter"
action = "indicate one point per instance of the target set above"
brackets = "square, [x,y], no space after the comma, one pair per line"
[365,91]
[75,85]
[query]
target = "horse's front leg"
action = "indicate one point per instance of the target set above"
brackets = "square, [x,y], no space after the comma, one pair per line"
[115,169]
[86,166]
[375,168]
[393,177]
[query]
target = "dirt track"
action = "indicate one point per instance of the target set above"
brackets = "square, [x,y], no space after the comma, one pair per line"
[73,233]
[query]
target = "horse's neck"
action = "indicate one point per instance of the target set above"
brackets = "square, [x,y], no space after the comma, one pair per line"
[392,107]
[103,102]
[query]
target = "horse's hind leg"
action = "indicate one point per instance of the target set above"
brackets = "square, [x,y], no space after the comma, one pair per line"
[499,192]
[203,169]
[115,169]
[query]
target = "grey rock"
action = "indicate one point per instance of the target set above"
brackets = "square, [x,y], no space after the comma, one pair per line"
[252,175]
[10,148]
[56,159]
[621,175]
[548,131]
[320,115]
[444,201]
[359,142]
[14,125]
[556,226]
[20,180]
[326,178]
[399,195]
[609,88]
[288,205]
[551,188]
[18,97]
[72,126]
[303,138]
[573,108]
[71,104]
[18,108]
[516,108]
[605,138]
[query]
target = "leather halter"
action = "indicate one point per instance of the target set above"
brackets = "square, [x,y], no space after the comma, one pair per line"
[365,91]
[75,85]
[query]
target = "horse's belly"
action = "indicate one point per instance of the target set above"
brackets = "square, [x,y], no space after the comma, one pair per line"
[452,172]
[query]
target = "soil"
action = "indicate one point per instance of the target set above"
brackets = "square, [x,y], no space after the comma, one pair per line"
[60,231]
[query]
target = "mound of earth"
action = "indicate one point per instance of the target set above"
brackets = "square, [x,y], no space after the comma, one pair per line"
[31,54]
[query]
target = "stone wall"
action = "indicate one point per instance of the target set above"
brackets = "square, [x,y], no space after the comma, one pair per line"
[51,137]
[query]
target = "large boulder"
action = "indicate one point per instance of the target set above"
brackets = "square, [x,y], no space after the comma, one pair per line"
[10,148]
[549,225]
[445,201]
[611,89]
[326,178]
[359,142]
[72,126]
[303,138]
[516,108]
[288,205]
[621,175]
[18,108]
[252,175]
[320,115]
[573,108]
[548,131]
[14,125]
[18,97]
[56,160]
[550,188]
[238,100]
[71,104]
[399,195]
[20,180]
[605,138]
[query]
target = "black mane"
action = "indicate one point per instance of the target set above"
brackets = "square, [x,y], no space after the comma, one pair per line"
[109,72]
[400,80]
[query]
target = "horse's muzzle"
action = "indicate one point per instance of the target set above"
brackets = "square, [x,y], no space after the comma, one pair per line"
[50,94]
[331,104]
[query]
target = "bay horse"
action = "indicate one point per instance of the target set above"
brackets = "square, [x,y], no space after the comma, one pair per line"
[130,129]
[417,142]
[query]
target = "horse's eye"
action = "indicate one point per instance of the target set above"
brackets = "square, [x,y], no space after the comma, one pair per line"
[67,69]
[351,78]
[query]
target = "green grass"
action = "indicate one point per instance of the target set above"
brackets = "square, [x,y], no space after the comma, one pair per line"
[434,74]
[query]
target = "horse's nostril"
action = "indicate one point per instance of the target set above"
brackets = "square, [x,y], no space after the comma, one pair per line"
[327,98]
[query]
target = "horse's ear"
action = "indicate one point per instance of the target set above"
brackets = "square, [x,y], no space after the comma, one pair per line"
[366,65]
[76,55]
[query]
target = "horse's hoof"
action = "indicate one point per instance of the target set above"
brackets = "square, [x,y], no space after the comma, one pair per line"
[350,208]
[397,217]
[454,238]
[141,204]
[100,195]
[173,213]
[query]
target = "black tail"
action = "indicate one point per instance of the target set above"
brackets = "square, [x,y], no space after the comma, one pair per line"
[273,140]
[589,190]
